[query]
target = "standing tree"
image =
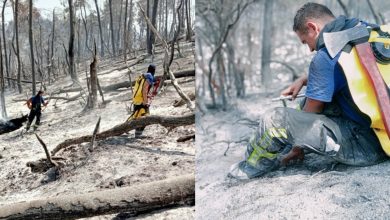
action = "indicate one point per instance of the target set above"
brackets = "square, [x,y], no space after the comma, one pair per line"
[30,37]
[166,20]
[188,17]
[72,71]
[118,36]
[2,85]
[17,45]
[149,48]
[100,30]
[151,35]
[125,33]
[50,61]
[266,44]
[92,98]
[112,28]
[129,25]
[5,43]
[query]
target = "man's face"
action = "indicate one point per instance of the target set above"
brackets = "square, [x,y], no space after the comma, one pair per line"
[310,36]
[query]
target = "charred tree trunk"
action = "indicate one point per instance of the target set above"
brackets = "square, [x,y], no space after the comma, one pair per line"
[51,54]
[129,27]
[83,17]
[2,85]
[93,81]
[154,16]
[112,29]
[40,55]
[72,71]
[188,18]
[100,30]
[118,36]
[30,37]
[149,49]
[78,27]
[266,44]
[166,20]
[17,46]
[136,199]
[125,33]
[5,44]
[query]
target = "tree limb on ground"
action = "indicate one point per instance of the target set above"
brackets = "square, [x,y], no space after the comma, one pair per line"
[170,122]
[137,200]
[46,151]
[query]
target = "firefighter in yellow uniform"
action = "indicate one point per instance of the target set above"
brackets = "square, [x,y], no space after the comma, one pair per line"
[141,101]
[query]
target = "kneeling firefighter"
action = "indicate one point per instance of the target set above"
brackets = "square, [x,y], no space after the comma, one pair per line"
[346,113]
[141,97]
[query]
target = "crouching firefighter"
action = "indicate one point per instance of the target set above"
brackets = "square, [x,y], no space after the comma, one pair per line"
[346,113]
[141,97]
[34,104]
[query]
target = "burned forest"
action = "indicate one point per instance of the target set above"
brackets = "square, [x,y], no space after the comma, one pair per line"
[69,77]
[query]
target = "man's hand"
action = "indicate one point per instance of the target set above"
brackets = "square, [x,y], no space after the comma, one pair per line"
[295,87]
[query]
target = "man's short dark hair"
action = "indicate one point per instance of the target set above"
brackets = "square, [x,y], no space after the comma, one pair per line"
[310,10]
[40,92]
[152,69]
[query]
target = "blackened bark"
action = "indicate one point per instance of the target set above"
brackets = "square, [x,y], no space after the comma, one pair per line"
[17,46]
[112,29]
[30,37]
[5,44]
[100,30]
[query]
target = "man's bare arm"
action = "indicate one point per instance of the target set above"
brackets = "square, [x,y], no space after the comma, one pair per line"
[313,106]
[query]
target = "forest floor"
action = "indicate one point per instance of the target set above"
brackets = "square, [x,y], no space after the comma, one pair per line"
[313,189]
[116,161]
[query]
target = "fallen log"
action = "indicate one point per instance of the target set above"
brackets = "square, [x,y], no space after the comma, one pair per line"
[139,199]
[127,84]
[112,87]
[170,122]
